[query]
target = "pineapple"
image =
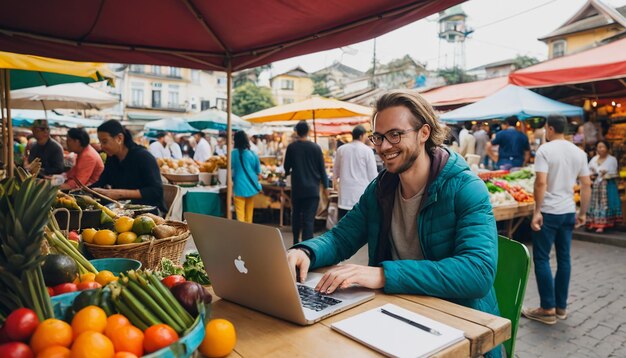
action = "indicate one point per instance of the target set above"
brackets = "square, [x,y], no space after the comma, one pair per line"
[24,206]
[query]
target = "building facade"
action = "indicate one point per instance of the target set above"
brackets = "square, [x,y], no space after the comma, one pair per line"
[291,86]
[594,24]
[151,92]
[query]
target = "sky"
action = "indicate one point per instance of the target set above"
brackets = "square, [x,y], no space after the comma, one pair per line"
[503,30]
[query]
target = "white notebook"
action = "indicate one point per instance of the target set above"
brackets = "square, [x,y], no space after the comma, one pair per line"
[396,338]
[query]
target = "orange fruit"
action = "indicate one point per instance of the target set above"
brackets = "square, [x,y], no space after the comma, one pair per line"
[128,338]
[54,352]
[124,224]
[51,332]
[104,237]
[219,338]
[92,344]
[158,336]
[105,276]
[88,277]
[90,318]
[115,322]
[126,238]
[125,355]
[88,235]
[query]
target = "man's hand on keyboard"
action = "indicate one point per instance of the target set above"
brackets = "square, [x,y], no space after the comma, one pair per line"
[298,260]
[348,275]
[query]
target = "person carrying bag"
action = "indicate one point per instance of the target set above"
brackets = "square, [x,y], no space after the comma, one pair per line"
[245,184]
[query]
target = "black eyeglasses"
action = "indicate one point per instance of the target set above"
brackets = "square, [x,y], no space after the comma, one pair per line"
[45,129]
[393,137]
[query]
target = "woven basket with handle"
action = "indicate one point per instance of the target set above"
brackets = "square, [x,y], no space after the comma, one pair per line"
[150,252]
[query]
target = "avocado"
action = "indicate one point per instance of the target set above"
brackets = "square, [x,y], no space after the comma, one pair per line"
[58,269]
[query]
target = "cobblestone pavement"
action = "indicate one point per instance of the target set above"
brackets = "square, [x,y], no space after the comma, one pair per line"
[596,322]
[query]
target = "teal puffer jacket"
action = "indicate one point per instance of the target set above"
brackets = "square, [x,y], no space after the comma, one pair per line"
[457,233]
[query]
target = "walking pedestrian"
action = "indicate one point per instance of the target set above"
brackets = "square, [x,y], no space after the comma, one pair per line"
[246,169]
[558,164]
[305,163]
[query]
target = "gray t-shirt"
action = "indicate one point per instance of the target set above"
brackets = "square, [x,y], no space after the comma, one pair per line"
[405,243]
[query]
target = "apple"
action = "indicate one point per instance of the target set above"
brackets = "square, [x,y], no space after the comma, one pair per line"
[73,235]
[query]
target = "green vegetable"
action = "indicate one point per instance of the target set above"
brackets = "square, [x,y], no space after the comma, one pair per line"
[493,188]
[168,268]
[194,269]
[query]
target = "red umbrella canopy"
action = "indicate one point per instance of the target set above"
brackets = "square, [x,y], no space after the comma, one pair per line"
[199,33]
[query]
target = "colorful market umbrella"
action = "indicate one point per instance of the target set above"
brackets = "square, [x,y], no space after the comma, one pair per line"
[312,108]
[177,125]
[216,119]
[31,71]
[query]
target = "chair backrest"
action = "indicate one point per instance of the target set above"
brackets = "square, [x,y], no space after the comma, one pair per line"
[169,194]
[510,284]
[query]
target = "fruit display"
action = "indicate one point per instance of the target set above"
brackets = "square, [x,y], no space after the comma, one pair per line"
[130,231]
[509,188]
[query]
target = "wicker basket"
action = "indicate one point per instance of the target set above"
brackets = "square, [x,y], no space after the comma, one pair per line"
[149,253]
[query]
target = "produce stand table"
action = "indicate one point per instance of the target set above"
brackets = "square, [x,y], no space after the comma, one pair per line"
[513,215]
[260,335]
[200,199]
[284,195]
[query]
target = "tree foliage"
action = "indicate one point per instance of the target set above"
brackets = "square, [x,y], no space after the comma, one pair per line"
[521,61]
[248,98]
[455,75]
[320,87]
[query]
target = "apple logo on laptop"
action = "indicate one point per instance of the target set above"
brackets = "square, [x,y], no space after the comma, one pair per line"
[240,265]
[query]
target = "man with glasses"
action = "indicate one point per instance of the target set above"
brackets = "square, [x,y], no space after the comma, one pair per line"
[46,149]
[426,219]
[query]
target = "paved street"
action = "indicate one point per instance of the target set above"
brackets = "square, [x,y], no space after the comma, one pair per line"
[596,323]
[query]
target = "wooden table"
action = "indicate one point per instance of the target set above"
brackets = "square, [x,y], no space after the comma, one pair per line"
[260,335]
[513,215]
[283,195]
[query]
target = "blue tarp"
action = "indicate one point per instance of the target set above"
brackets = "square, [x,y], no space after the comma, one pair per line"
[25,118]
[509,101]
[177,125]
[216,119]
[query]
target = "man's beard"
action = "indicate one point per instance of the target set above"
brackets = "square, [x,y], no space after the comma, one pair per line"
[408,163]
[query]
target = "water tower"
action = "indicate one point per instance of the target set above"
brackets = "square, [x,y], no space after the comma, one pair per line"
[452,34]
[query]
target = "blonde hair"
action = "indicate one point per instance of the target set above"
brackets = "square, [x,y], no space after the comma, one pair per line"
[422,111]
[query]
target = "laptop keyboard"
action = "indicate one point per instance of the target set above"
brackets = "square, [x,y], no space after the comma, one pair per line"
[314,300]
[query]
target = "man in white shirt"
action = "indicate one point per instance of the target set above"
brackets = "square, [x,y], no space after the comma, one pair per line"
[203,148]
[354,169]
[173,147]
[558,164]
[158,148]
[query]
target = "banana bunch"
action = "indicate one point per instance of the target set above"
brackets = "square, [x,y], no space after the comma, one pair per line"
[32,169]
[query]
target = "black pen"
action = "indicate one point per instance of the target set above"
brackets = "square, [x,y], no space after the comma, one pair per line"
[412,323]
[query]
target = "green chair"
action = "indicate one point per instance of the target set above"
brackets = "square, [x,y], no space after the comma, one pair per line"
[510,284]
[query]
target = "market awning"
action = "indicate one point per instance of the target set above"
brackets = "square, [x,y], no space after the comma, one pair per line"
[31,71]
[68,95]
[200,34]
[597,64]
[464,93]
[25,118]
[511,100]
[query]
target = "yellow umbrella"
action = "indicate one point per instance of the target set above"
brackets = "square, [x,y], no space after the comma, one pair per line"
[312,108]
[23,71]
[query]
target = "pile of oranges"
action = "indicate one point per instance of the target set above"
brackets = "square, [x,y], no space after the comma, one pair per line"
[123,233]
[92,334]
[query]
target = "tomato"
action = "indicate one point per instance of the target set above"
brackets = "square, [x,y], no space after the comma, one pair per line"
[3,335]
[88,286]
[64,288]
[172,280]
[50,291]
[21,324]
[16,350]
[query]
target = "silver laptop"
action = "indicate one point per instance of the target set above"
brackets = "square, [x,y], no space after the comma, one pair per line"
[247,264]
